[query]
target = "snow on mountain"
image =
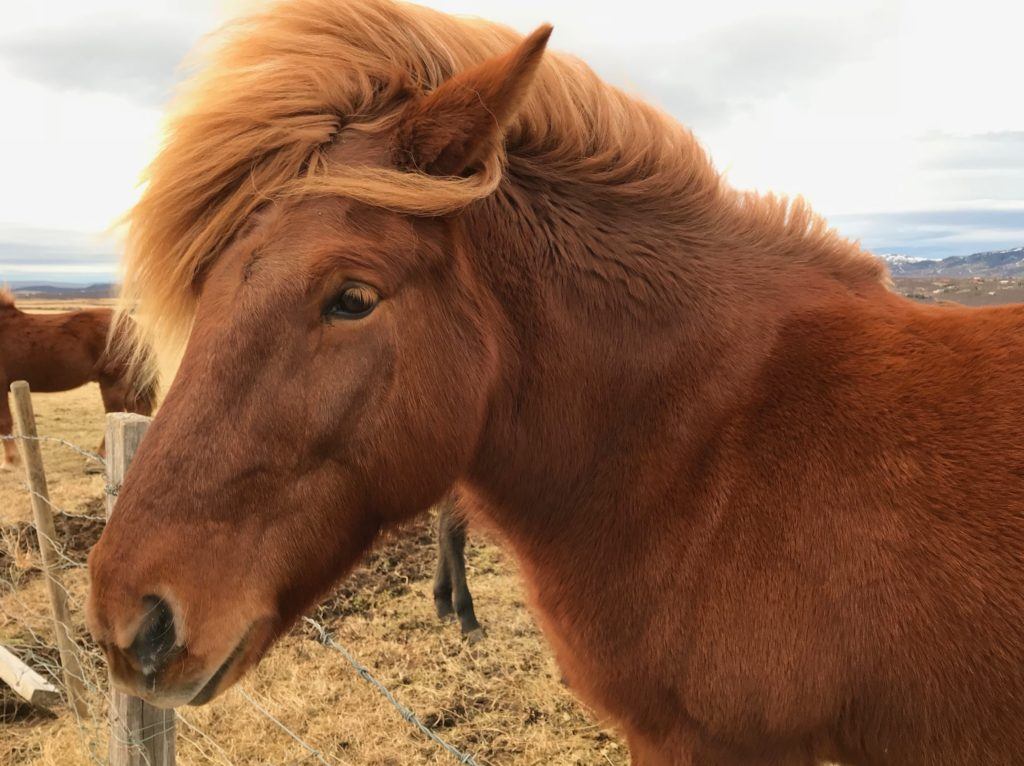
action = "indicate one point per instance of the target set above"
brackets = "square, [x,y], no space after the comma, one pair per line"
[991,263]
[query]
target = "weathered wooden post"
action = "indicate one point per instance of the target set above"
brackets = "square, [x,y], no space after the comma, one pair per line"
[140,734]
[46,533]
[26,682]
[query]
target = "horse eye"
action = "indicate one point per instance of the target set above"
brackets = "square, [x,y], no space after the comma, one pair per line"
[353,302]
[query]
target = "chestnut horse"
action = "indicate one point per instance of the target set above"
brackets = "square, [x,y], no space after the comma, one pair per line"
[769,512]
[58,352]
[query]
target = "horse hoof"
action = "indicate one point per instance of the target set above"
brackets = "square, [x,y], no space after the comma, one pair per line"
[5,466]
[475,636]
[445,613]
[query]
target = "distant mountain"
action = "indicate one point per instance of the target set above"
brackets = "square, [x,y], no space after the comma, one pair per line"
[897,260]
[63,291]
[993,263]
[16,284]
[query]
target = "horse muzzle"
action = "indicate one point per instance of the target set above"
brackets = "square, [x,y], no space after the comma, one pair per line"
[158,668]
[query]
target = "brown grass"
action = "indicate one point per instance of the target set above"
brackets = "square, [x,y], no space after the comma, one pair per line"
[976,291]
[501,699]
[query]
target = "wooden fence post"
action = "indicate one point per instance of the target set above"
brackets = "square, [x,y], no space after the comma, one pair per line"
[47,535]
[26,682]
[140,734]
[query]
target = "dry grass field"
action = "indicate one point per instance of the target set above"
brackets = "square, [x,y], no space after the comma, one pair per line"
[967,291]
[500,700]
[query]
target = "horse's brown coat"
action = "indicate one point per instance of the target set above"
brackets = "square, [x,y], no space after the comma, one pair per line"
[58,352]
[769,511]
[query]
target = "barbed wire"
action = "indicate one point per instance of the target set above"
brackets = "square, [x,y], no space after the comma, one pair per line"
[94,680]
[312,750]
[56,440]
[328,640]
[216,745]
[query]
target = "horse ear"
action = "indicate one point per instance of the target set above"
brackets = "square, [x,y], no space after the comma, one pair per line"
[448,131]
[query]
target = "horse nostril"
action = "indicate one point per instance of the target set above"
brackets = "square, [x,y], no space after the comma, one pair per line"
[154,644]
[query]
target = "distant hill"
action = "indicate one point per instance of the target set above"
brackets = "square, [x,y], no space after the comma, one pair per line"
[993,263]
[63,291]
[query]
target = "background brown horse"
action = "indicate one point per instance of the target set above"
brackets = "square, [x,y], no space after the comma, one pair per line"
[57,352]
[769,512]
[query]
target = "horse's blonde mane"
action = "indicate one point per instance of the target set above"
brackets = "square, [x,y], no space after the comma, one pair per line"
[6,297]
[275,90]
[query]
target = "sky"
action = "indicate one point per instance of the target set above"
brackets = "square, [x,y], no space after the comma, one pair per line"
[898,120]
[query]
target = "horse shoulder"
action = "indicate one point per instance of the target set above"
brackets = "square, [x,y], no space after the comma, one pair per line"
[862,493]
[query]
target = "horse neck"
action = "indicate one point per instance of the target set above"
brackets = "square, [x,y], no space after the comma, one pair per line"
[631,334]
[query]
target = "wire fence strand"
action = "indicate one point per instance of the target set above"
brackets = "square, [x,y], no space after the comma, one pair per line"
[328,640]
[266,713]
[89,454]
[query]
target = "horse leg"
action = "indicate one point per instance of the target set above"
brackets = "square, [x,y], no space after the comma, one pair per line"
[443,575]
[454,529]
[7,429]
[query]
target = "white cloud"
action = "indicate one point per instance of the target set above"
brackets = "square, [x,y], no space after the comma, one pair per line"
[75,161]
[131,59]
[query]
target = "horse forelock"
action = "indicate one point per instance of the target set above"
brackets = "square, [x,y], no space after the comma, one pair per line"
[274,92]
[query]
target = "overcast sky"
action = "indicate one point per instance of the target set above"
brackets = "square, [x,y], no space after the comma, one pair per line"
[900,121]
